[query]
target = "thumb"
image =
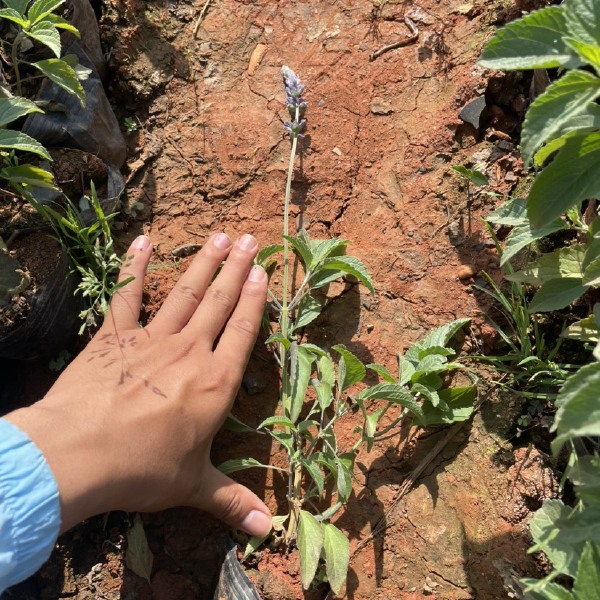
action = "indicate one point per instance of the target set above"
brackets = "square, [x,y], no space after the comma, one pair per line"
[234,504]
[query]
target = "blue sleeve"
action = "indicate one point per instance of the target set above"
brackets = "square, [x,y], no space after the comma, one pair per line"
[29,507]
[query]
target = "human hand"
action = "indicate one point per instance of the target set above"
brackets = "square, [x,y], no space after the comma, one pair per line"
[130,423]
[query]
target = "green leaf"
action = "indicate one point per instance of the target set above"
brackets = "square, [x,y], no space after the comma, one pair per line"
[265,253]
[253,544]
[337,556]
[139,557]
[309,308]
[549,112]
[476,177]
[19,6]
[29,175]
[550,591]
[321,249]
[562,263]
[589,53]
[60,73]
[315,473]
[583,20]
[458,403]
[578,411]
[330,512]
[354,369]
[301,244]
[314,349]
[511,213]
[269,421]
[569,179]
[585,330]
[585,476]
[284,438]
[61,23]
[591,275]
[438,338]
[520,237]
[544,530]
[15,140]
[343,480]
[371,421]
[382,372]
[351,266]
[431,395]
[13,15]
[587,579]
[300,373]
[46,34]
[542,155]
[12,109]
[232,423]
[406,369]
[556,294]
[532,42]
[240,464]
[310,543]
[324,385]
[277,338]
[42,8]
[395,393]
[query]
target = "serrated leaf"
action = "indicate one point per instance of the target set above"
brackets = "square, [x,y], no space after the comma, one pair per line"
[15,140]
[265,253]
[301,244]
[395,393]
[18,5]
[349,265]
[42,8]
[12,109]
[277,338]
[585,476]
[456,404]
[13,15]
[532,42]
[382,372]
[269,421]
[61,23]
[520,237]
[337,556]
[511,213]
[60,73]
[589,53]
[556,294]
[322,249]
[543,526]
[324,385]
[29,175]
[587,579]
[139,557]
[343,480]
[300,376]
[438,338]
[371,421]
[431,395]
[569,179]
[550,591]
[284,438]
[46,34]
[585,330]
[240,464]
[583,20]
[564,262]
[330,512]
[309,308]
[476,177]
[578,411]
[406,369]
[549,112]
[542,155]
[354,369]
[591,275]
[254,543]
[310,544]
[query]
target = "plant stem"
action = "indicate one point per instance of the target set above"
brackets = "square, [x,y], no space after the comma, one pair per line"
[15,61]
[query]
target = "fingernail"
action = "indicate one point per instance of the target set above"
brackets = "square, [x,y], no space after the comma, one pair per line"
[247,242]
[257,274]
[222,241]
[141,242]
[256,523]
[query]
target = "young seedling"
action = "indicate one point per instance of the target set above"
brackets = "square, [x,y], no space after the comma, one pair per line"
[315,381]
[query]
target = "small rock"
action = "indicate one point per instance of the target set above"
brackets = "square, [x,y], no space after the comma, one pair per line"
[379,106]
[465,272]
[510,177]
[337,151]
[370,328]
[472,111]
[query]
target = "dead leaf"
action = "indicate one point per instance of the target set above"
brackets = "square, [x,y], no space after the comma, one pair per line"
[256,57]
[139,557]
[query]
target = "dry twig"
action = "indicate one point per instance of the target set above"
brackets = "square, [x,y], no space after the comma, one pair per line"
[201,18]
[405,42]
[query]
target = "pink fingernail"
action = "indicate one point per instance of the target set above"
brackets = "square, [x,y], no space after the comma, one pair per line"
[256,523]
[141,242]
[247,242]
[257,274]
[222,241]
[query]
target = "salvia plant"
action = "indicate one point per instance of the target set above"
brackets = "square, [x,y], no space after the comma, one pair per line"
[561,138]
[315,383]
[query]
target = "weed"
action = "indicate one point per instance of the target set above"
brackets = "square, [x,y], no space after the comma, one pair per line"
[130,125]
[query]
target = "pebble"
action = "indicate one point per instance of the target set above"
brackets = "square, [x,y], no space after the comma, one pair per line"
[380,107]
[465,271]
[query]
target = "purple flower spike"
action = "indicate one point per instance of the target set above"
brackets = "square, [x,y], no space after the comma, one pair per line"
[296,104]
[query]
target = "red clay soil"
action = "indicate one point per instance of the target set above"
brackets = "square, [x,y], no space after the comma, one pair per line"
[210,154]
